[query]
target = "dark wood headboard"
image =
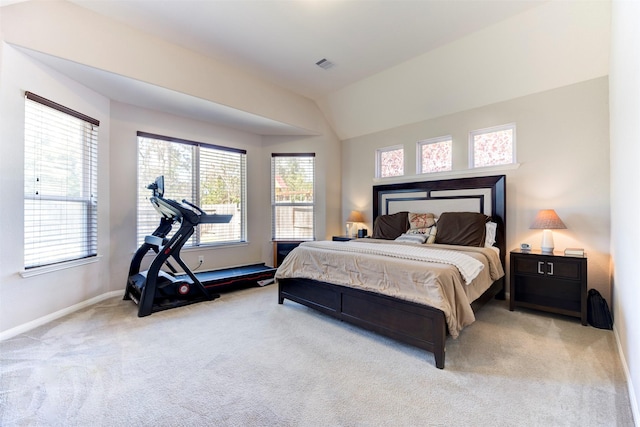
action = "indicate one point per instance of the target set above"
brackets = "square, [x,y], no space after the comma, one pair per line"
[486,194]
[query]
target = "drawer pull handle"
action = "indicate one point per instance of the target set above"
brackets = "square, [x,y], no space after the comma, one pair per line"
[550,268]
[540,267]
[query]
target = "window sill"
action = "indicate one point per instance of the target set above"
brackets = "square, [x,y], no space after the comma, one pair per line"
[455,173]
[56,267]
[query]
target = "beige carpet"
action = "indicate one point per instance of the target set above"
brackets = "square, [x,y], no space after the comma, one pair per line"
[244,360]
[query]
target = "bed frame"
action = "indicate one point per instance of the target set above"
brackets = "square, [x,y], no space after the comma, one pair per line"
[411,323]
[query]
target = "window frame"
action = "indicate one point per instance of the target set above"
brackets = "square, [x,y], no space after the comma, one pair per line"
[196,190]
[37,253]
[430,141]
[379,166]
[275,236]
[492,129]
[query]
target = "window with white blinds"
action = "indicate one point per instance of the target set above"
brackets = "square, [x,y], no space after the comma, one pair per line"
[209,176]
[60,183]
[292,196]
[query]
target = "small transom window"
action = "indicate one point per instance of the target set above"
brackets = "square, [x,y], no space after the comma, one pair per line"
[492,146]
[390,161]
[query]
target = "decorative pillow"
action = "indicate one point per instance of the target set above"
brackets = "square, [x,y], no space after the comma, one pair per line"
[490,238]
[421,220]
[390,226]
[412,238]
[462,228]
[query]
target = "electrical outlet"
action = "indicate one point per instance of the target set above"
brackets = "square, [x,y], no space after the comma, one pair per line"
[201,259]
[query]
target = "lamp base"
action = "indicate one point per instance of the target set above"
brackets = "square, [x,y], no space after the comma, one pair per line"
[547,241]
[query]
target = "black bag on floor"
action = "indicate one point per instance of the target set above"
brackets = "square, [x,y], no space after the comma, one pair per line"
[598,314]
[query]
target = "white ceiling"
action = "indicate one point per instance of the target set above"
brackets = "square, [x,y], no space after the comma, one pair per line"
[281,40]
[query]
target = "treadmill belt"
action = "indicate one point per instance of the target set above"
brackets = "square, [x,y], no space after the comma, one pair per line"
[235,275]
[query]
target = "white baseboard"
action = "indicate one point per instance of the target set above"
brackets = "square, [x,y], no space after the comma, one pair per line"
[53,316]
[632,393]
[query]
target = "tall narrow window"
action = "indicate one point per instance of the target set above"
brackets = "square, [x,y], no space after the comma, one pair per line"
[434,154]
[209,176]
[492,146]
[390,161]
[60,183]
[292,196]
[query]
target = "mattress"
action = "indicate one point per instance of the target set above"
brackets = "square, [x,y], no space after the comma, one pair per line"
[425,274]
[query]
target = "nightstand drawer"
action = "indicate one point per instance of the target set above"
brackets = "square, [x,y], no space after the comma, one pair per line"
[554,267]
[550,293]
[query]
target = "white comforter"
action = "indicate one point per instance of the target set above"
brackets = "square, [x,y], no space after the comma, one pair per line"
[445,277]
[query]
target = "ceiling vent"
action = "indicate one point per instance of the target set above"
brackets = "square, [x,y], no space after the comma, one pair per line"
[325,64]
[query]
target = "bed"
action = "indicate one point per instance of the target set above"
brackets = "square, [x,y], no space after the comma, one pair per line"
[414,281]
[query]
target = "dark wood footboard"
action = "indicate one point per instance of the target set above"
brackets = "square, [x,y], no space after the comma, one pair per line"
[418,325]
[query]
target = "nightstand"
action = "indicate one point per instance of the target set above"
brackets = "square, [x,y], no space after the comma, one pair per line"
[551,282]
[342,238]
[281,249]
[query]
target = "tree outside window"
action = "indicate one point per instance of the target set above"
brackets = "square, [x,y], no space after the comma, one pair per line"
[390,161]
[493,146]
[434,154]
[292,196]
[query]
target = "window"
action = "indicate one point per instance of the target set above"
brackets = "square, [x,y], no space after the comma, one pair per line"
[390,161]
[492,146]
[434,154]
[209,176]
[292,196]
[60,183]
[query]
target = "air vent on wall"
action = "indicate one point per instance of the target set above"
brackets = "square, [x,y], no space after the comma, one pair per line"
[325,64]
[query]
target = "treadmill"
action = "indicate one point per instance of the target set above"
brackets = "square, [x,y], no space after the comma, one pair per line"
[156,289]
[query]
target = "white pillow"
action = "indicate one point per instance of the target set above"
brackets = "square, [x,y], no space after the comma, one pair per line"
[429,233]
[490,237]
[412,238]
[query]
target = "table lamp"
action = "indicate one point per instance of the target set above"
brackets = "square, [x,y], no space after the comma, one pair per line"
[547,220]
[354,217]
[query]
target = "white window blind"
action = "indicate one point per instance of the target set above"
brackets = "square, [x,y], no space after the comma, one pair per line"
[209,176]
[292,196]
[60,183]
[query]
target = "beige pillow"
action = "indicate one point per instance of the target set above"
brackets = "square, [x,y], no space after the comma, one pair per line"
[421,220]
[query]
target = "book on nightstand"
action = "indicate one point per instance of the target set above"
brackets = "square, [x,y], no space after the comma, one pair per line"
[574,251]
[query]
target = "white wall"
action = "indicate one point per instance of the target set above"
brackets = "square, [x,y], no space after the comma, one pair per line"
[550,46]
[126,120]
[327,178]
[25,299]
[67,31]
[625,186]
[53,29]
[563,149]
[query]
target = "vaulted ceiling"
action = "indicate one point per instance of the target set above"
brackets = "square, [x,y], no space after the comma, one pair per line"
[281,40]
[393,62]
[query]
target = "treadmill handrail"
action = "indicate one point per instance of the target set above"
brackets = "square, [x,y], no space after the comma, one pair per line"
[215,219]
[165,209]
[173,210]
